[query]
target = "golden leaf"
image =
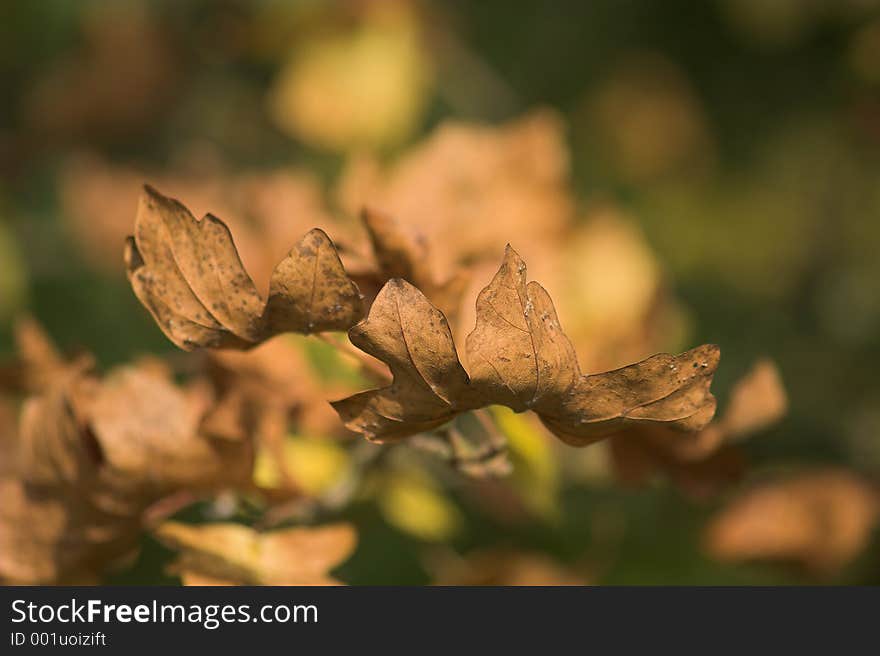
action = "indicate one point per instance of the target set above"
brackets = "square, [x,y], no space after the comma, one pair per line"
[414,503]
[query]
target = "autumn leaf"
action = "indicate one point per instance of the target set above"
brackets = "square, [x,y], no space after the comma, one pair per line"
[413,502]
[757,401]
[37,363]
[232,554]
[54,444]
[820,519]
[65,518]
[519,357]
[429,386]
[188,274]
[88,458]
[468,184]
[702,462]
[60,535]
[148,431]
[401,253]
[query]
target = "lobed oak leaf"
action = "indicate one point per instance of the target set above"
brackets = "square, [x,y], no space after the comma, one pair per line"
[520,358]
[401,253]
[429,385]
[188,274]
[702,462]
[233,554]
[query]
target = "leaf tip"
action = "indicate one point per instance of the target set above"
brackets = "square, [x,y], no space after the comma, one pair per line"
[317,234]
[707,357]
[151,196]
[513,261]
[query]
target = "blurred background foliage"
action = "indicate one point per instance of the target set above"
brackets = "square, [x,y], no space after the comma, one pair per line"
[740,138]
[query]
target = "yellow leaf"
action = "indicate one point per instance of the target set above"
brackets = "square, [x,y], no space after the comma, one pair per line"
[366,87]
[314,464]
[412,503]
[535,467]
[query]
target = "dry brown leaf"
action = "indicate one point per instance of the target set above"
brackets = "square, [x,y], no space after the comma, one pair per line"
[468,185]
[38,363]
[148,431]
[703,462]
[429,385]
[821,520]
[54,444]
[757,401]
[58,535]
[188,274]
[520,358]
[91,455]
[263,210]
[233,554]
[64,517]
[401,253]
